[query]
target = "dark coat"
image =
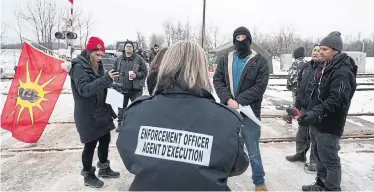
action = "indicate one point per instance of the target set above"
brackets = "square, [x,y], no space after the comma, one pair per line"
[93,117]
[134,63]
[252,86]
[306,82]
[177,111]
[332,99]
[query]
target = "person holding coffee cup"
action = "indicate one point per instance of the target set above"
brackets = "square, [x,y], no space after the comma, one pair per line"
[133,71]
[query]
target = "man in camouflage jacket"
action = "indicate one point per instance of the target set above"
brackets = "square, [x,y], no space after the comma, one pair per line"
[297,65]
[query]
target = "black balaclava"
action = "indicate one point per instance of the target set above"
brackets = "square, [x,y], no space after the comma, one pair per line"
[243,48]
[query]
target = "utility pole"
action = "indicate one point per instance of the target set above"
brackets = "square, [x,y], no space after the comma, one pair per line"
[203,27]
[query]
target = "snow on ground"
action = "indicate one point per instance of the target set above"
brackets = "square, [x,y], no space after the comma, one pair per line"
[369,66]
[368,118]
[60,170]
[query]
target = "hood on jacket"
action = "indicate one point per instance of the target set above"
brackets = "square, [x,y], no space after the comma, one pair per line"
[82,59]
[342,59]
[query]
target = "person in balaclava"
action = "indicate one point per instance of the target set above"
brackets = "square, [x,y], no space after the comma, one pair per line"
[241,78]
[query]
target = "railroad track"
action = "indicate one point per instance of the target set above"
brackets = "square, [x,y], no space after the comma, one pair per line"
[362,75]
[357,89]
[283,84]
[262,116]
[262,140]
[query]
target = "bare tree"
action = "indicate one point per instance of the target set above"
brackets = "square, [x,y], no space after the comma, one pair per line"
[17,27]
[2,37]
[41,15]
[215,33]
[88,23]
[188,31]
[168,30]
[141,41]
[156,39]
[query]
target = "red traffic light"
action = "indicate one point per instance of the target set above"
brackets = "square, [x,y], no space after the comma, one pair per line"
[59,35]
[71,35]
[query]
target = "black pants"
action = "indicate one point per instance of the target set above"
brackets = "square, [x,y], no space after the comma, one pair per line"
[303,141]
[326,152]
[89,150]
[126,97]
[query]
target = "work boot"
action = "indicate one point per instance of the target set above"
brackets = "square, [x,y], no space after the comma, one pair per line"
[316,186]
[287,118]
[90,178]
[312,167]
[261,188]
[105,171]
[296,157]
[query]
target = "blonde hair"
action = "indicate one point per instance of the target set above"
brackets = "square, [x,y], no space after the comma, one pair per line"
[184,65]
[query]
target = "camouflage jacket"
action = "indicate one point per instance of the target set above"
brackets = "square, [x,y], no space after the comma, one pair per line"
[297,65]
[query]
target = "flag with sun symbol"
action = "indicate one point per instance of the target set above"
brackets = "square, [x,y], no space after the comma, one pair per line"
[33,94]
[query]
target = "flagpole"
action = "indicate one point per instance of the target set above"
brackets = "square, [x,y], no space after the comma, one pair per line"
[62,56]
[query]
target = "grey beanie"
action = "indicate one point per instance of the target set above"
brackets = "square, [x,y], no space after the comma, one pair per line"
[333,40]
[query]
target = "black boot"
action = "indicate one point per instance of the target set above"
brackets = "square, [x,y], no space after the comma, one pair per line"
[287,118]
[297,157]
[317,186]
[106,171]
[90,178]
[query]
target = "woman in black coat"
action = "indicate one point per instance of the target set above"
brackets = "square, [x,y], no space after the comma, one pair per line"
[153,71]
[93,117]
[180,139]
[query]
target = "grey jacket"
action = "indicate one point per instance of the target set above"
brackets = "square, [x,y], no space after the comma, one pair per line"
[125,64]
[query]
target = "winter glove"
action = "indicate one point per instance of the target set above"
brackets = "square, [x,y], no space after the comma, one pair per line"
[288,87]
[308,119]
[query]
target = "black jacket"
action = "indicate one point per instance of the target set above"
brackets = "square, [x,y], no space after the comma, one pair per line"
[193,142]
[93,117]
[134,63]
[332,99]
[252,86]
[306,82]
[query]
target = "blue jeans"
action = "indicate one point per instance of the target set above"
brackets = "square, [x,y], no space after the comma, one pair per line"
[251,133]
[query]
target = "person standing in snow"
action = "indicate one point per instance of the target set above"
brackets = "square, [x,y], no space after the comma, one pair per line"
[241,78]
[153,53]
[131,83]
[153,71]
[292,82]
[305,83]
[327,111]
[198,146]
[93,117]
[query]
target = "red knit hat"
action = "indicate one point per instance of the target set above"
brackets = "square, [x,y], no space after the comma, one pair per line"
[95,43]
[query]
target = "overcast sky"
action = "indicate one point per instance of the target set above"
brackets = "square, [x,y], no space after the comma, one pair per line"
[121,19]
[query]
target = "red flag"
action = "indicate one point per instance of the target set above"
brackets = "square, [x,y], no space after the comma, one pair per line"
[35,88]
[71,1]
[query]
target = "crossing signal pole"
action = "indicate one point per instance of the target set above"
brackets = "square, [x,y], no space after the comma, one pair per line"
[67,34]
